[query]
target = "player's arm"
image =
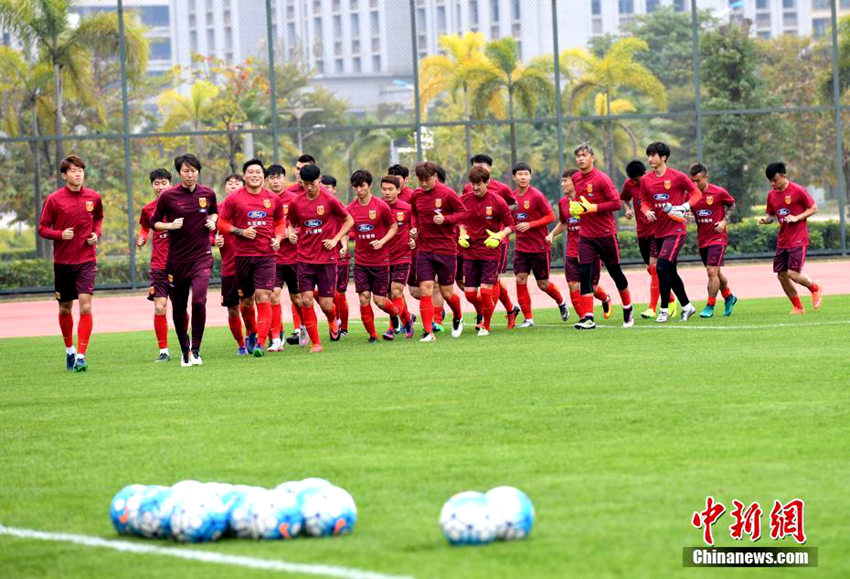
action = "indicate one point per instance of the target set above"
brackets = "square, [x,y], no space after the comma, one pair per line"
[769,216]
[547,218]
[559,229]
[647,203]
[810,210]
[728,209]
[458,212]
[506,220]
[97,223]
[391,232]
[45,224]
[279,232]
[343,231]
[626,198]
[160,213]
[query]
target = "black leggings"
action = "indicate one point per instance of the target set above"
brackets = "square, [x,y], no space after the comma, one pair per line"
[198,284]
[668,279]
[614,270]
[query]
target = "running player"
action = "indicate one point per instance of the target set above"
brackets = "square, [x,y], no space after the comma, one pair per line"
[343,269]
[402,172]
[229,289]
[791,205]
[158,291]
[298,187]
[72,217]
[400,247]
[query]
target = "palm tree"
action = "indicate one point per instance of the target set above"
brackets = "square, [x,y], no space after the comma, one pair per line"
[504,75]
[196,110]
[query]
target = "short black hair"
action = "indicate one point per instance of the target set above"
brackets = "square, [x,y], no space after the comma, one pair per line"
[568,173]
[310,173]
[480,158]
[276,169]
[361,176]
[188,159]
[659,148]
[399,171]
[441,174]
[697,168]
[254,161]
[520,167]
[160,174]
[635,169]
[236,176]
[306,159]
[775,169]
[329,180]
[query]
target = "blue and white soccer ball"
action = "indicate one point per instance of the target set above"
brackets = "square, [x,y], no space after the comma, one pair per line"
[328,511]
[465,519]
[274,515]
[237,504]
[292,487]
[512,511]
[185,487]
[124,506]
[153,517]
[198,517]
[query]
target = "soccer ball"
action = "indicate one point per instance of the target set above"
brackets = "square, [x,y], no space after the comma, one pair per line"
[237,504]
[289,488]
[465,519]
[185,487]
[512,512]
[274,515]
[153,518]
[313,482]
[198,517]
[124,506]
[220,489]
[328,511]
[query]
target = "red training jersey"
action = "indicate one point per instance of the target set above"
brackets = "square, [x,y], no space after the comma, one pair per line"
[159,241]
[399,247]
[672,187]
[318,219]
[792,201]
[288,254]
[192,241]
[258,210]
[631,192]
[433,238]
[82,210]
[371,223]
[710,210]
[483,213]
[531,207]
[406,194]
[598,188]
[573,225]
[497,187]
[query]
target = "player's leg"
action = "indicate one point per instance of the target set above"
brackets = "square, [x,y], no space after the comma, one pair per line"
[588,255]
[379,286]
[426,274]
[611,258]
[439,307]
[326,288]
[599,292]
[160,325]
[728,297]
[262,297]
[234,322]
[713,286]
[200,282]
[446,266]
[367,315]
[540,269]
[290,278]
[488,275]
[522,268]
[178,292]
[780,267]
[472,281]
[276,328]
[308,318]
[66,326]
[340,301]
[797,258]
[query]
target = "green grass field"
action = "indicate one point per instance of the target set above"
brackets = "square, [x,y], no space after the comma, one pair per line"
[616,435]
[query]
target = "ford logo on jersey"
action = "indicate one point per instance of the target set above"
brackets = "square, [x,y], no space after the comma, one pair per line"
[364,227]
[704,213]
[661,196]
[783,212]
[313,223]
[573,220]
[256,214]
[521,216]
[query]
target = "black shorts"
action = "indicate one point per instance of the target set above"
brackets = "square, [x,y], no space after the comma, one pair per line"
[229,291]
[286,275]
[72,279]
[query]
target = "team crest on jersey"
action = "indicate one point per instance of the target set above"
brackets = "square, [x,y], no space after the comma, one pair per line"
[89,206]
[170,278]
[373,214]
[239,292]
[286,209]
[202,201]
[267,203]
[590,187]
[438,202]
[788,200]
[320,209]
[489,211]
[667,184]
[709,199]
[526,204]
[399,216]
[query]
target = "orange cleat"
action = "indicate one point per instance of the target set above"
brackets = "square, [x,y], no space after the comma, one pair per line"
[797,311]
[316,348]
[512,317]
[817,298]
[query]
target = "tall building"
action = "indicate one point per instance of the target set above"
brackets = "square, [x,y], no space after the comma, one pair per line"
[822,15]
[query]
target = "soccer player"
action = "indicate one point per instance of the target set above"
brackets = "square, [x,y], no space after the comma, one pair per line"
[73,218]
[322,221]
[487,223]
[572,270]
[791,205]
[374,227]
[711,213]
[255,217]
[402,172]
[229,289]
[500,292]
[436,209]
[532,214]
[298,186]
[188,212]
[400,249]
[158,291]
[667,195]
[597,202]
[343,269]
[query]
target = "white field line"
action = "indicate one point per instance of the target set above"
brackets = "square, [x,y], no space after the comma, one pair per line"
[203,556]
[675,324]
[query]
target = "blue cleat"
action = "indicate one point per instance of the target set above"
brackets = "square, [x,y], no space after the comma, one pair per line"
[729,304]
[242,351]
[707,312]
[69,361]
[80,365]
[251,343]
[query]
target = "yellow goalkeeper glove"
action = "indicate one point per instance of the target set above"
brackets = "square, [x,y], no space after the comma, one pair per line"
[581,207]
[494,239]
[463,240]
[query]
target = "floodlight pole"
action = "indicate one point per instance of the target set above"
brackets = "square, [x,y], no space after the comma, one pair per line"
[273,82]
[416,103]
[558,113]
[695,59]
[839,130]
[128,168]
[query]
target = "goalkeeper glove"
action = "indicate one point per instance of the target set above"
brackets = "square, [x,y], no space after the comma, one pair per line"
[463,240]
[580,207]
[494,239]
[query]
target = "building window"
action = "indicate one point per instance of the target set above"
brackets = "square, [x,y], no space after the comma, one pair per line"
[652,5]
[679,5]
[338,68]
[376,44]
[355,46]
[515,10]
[355,25]
[473,12]
[336,5]
[320,66]
[317,6]
[789,4]
[154,16]
[290,31]
[376,63]
[627,7]
[761,4]
[375,23]
[210,40]
[317,27]
[193,41]
[441,19]
[494,10]
[356,65]
[338,48]
[789,19]
[354,5]
[596,7]
[820,27]
[495,31]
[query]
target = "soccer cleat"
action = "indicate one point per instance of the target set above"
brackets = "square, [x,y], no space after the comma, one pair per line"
[395,322]
[628,317]
[565,311]
[479,321]
[69,360]
[729,303]
[316,348]
[408,328]
[483,332]
[251,343]
[647,314]
[528,323]
[428,337]
[707,312]
[673,308]
[817,298]
[163,357]
[241,351]
[293,338]
[389,335]
[343,333]
[302,336]
[80,364]
[797,311]
[511,315]
[607,310]
[258,352]
[586,323]
[372,340]
[196,358]
[437,327]
[457,327]
[277,345]
[333,331]
[687,312]
[662,316]
[185,360]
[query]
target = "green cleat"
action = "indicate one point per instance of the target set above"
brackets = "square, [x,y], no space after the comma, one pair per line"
[437,327]
[258,351]
[648,314]
[730,303]
[80,365]
[673,309]
[707,312]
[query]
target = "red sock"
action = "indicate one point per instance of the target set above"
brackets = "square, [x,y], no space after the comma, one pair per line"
[367,316]
[575,298]
[488,304]
[500,292]
[454,304]
[426,308]
[795,301]
[654,293]
[331,315]
[711,301]
[308,318]
[553,293]
[626,298]
[342,310]
[249,315]
[66,325]
[814,287]
[438,314]
[599,293]
[389,307]
[401,306]
[84,333]
[236,329]
[524,299]
[472,297]
[726,292]
[276,326]
[160,327]
[264,322]
[587,306]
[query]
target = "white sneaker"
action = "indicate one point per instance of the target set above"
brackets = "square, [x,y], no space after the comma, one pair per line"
[277,345]
[483,332]
[687,312]
[186,360]
[528,323]
[428,337]
[195,359]
[457,328]
[662,317]
[302,336]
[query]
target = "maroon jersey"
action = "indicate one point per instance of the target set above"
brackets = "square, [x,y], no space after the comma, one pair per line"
[288,254]
[497,187]
[531,206]
[406,195]
[82,210]
[631,192]
[488,212]
[398,246]
[598,188]
[318,219]
[159,240]
[371,223]
[191,242]
[672,187]
[573,225]
[258,210]
[433,238]
[792,201]
[710,210]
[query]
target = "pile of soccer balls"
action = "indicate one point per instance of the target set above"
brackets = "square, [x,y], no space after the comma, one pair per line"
[194,512]
[474,518]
